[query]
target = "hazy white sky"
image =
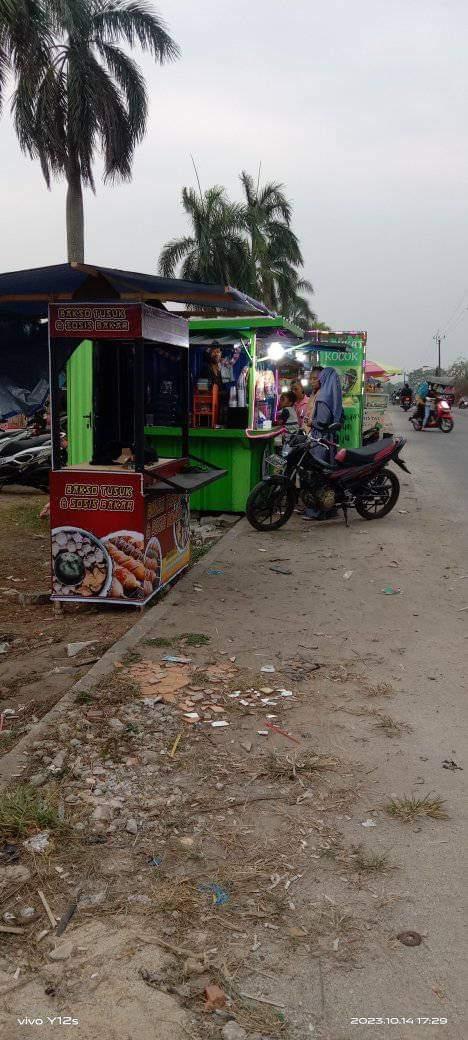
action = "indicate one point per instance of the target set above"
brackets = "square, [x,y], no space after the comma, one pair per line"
[359,106]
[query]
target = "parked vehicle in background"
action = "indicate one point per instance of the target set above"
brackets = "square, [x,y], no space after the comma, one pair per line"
[463,402]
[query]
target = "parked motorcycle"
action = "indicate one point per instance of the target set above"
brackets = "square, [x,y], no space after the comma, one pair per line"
[352,479]
[439,419]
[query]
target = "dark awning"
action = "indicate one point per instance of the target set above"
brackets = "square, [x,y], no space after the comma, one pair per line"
[26,294]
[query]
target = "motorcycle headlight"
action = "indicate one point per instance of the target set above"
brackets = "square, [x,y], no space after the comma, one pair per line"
[443,404]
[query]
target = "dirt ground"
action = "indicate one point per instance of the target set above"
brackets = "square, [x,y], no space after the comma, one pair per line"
[296,872]
[35,670]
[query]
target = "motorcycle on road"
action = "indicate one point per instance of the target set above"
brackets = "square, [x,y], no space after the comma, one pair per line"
[351,479]
[439,419]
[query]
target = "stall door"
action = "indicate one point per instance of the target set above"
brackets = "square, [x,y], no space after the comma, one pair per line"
[80,404]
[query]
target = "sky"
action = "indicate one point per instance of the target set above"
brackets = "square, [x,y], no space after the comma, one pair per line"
[359,108]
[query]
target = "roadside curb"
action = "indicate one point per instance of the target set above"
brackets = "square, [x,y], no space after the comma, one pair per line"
[12,764]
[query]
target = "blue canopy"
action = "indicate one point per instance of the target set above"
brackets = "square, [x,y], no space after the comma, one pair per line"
[27,294]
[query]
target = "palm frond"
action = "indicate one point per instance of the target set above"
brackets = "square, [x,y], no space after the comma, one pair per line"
[172,254]
[131,83]
[135,22]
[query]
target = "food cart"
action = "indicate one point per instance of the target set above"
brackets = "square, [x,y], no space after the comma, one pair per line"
[120,519]
[251,387]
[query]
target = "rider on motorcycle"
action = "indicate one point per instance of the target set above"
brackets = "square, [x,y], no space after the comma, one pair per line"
[406,393]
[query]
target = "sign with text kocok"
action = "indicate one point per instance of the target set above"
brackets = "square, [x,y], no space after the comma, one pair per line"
[110,542]
[349,363]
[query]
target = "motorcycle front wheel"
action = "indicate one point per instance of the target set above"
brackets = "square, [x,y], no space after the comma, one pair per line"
[379,496]
[270,504]
[446,425]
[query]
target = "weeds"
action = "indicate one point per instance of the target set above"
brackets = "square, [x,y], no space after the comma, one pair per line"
[23,811]
[25,516]
[84,698]
[290,766]
[410,808]
[371,862]
[391,727]
[195,639]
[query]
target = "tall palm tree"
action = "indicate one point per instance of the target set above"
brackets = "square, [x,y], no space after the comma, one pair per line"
[215,251]
[89,96]
[24,41]
[275,254]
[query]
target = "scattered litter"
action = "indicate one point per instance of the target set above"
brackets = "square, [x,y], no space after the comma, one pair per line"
[262,1000]
[68,914]
[155,861]
[285,693]
[296,932]
[268,668]
[178,738]
[191,716]
[262,732]
[389,590]
[261,550]
[46,907]
[410,938]
[369,823]
[215,570]
[219,894]
[9,853]
[4,647]
[449,763]
[38,843]
[284,733]
[12,929]
[73,649]
[402,511]
[232,659]
[215,998]
[336,943]
[281,570]
[347,575]
[171,659]
[219,724]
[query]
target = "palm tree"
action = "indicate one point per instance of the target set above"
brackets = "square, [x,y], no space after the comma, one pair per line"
[24,41]
[215,251]
[89,95]
[275,254]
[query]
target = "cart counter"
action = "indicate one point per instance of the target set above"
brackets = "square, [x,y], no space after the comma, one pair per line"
[117,536]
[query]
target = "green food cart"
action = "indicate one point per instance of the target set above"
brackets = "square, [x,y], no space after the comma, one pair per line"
[226,445]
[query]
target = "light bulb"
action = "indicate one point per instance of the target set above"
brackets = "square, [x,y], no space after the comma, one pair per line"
[275,351]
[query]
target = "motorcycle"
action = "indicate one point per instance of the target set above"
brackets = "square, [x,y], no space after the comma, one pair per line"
[439,419]
[405,403]
[351,479]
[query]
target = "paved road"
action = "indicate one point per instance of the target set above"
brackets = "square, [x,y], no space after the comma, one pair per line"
[441,457]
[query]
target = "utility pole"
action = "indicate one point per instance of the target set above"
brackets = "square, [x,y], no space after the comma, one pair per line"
[438,339]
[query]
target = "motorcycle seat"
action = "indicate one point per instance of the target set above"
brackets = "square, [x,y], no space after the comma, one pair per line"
[362,456]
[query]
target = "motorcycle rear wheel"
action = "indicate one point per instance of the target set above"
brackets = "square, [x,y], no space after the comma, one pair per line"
[383,495]
[446,425]
[270,504]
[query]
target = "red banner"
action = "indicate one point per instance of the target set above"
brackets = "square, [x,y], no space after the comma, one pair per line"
[110,541]
[95,321]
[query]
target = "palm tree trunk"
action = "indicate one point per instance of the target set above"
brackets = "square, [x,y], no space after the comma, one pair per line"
[75,215]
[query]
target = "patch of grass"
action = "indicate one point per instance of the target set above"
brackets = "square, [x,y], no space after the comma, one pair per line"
[131,657]
[159,641]
[391,727]
[23,811]
[84,698]
[368,862]
[290,766]
[410,808]
[195,639]
[26,517]
[379,690]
